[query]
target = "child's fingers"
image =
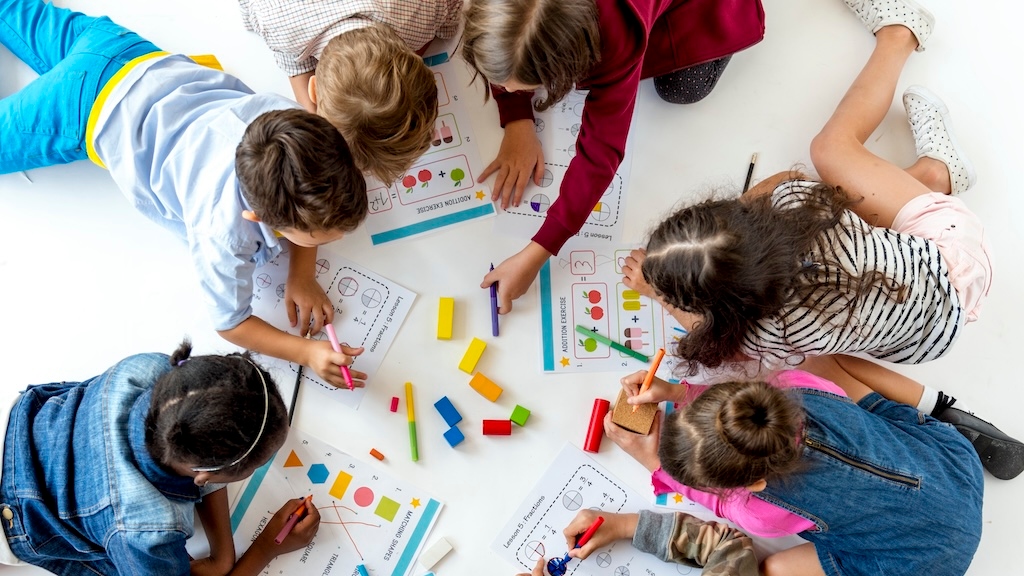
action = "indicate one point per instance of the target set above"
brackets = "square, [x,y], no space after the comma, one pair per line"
[490,169]
[348,350]
[504,300]
[304,320]
[289,305]
[538,568]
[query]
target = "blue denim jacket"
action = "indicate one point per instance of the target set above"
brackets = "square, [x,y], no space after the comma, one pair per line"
[890,490]
[86,496]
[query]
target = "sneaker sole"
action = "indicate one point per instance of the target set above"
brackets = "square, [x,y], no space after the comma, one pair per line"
[1004,460]
[931,98]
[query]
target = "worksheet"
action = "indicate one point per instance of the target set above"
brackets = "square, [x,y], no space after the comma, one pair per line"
[583,286]
[557,128]
[368,311]
[366,517]
[574,482]
[440,190]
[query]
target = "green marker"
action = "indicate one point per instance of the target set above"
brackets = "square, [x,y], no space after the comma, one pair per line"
[614,345]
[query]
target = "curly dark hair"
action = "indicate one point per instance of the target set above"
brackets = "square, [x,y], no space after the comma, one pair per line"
[734,262]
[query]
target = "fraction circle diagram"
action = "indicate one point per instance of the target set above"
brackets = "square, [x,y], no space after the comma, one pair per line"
[348,286]
[363,496]
[571,151]
[572,500]
[578,109]
[622,571]
[534,550]
[546,179]
[322,265]
[263,280]
[683,569]
[280,290]
[601,212]
[604,560]
[371,298]
[574,129]
[539,203]
[538,125]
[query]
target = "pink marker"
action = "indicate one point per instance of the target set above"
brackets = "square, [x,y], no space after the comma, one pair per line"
[333,337]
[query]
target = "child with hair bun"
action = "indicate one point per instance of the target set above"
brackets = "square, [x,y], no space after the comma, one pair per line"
[875,486]
[103,476]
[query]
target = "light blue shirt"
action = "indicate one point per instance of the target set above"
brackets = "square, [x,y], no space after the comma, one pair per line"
[168,133]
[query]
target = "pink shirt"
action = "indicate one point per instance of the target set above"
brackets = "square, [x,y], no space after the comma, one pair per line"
[755,516]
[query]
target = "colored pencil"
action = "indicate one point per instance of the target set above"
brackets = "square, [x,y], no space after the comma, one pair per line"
[295,395]
[411,415]
[613,344]
[750,173]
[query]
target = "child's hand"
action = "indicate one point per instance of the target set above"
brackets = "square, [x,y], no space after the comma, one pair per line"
[643,449]
[327,363]
[300,536]
[304,299]
[538,569]
[615,527]
[658,392]
[515,275]
[520,156]
[634,276]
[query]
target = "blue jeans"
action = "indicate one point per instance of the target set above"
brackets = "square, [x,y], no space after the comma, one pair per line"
[75,55]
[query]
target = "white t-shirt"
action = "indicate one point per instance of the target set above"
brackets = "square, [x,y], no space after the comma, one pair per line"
[920,327]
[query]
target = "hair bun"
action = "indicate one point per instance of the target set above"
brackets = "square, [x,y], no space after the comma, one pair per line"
[754,424]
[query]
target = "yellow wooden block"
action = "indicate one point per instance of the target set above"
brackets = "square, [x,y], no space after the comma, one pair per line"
[472,355]
[445,311]
[485,387]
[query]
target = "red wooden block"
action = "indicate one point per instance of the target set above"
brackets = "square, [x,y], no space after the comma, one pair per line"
[497,427]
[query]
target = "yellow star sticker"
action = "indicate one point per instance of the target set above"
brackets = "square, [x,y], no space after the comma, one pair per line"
[415,503]
[564,361]
[479,194]
[678,498]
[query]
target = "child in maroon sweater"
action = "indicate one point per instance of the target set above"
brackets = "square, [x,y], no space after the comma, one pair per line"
[606,47]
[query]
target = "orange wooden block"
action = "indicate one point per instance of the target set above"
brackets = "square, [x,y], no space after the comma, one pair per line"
[376,454]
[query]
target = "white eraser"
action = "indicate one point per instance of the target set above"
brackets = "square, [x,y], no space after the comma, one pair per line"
[433,555]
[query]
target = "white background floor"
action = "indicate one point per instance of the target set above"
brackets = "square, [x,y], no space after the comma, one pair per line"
[85,280]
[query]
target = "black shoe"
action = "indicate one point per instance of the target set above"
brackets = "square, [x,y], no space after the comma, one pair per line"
[1001,455]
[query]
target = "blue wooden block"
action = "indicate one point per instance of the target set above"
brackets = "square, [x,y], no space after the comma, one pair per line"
[448,412]
[454,436]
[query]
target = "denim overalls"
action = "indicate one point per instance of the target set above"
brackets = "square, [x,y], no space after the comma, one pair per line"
[892,491]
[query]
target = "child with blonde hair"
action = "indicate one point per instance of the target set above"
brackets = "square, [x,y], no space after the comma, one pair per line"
[356,64]
[606,47]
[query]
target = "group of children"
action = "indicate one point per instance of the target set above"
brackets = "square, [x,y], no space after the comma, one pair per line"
[873,259]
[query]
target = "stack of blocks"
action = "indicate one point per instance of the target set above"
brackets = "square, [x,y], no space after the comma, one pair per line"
[452,417]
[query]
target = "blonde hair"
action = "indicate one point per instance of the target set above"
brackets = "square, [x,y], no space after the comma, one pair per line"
[381,97]
[551,43]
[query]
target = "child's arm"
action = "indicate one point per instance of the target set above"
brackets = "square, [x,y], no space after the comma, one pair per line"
[264,549]
[214,515]
[303,294]
[858,377]
[256,335]
[769,184]
[300,85]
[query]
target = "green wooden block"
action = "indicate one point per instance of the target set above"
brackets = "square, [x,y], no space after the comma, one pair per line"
[520,415]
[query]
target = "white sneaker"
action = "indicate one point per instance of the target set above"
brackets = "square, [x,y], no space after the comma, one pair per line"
[877,14]
[933,136]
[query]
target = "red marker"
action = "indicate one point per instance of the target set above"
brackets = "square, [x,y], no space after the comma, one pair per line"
[590,532]
[293,518]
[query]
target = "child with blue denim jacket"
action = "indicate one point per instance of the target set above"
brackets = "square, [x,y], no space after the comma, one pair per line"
[239,176]
[103,476]
[873,485]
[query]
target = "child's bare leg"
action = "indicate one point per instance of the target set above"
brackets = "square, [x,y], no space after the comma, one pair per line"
[838,151]
[932,173]
[892,385]
[800,560]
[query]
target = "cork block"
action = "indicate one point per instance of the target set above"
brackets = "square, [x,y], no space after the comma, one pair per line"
[483,385]
[445,312]
[472,356]
[639,421]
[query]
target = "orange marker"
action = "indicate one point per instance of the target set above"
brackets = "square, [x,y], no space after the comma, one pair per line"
[650,373]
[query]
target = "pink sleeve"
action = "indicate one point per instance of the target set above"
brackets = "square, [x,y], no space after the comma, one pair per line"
[755,516]
[800,379]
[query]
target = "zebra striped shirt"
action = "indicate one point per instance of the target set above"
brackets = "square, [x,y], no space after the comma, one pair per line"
[921,327]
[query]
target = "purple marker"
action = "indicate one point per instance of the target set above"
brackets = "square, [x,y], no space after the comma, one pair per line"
[494,306]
